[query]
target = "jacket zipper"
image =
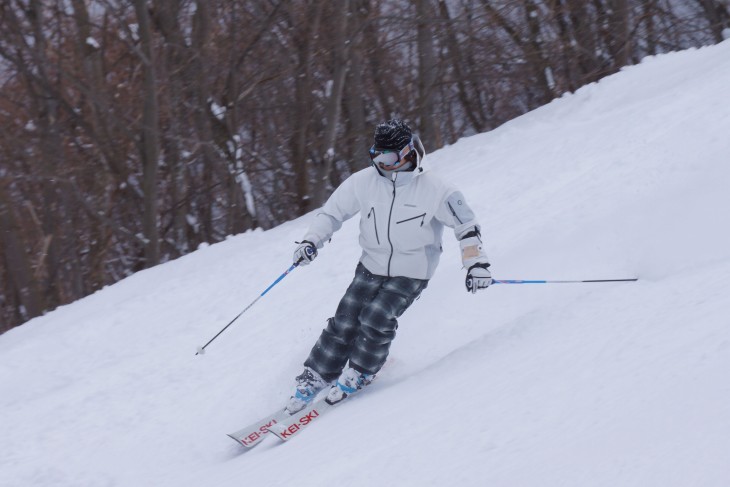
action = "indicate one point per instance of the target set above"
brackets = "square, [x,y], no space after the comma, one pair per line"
[390,216]
[375,224]
[422,217]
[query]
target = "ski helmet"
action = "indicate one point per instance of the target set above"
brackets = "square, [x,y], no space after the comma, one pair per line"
[394,148]
[393,135]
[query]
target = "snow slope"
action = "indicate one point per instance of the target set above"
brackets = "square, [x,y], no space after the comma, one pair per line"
[528,385]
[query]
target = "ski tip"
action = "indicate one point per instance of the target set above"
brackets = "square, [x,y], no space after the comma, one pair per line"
[236,440]
[247,445]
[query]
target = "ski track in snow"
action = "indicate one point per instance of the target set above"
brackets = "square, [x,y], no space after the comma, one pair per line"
[610,385]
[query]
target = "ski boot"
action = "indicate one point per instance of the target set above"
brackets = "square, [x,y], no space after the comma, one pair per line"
[349,382]
[309,383]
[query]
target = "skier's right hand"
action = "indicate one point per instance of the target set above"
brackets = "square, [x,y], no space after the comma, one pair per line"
[305,253]
[478,277]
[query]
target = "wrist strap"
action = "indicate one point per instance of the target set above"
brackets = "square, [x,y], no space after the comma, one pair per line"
[480,265]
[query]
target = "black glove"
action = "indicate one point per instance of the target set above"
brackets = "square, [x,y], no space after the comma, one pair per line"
[478,277]
[305,253]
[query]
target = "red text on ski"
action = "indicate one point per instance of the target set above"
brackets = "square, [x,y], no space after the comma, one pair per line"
[303,421]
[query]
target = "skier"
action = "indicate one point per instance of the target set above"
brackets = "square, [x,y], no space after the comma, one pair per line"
[403,209]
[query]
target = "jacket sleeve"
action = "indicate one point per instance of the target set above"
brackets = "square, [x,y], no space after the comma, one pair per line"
[341,206]
[454,212]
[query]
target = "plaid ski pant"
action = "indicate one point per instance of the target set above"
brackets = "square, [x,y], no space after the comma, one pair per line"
[364,324]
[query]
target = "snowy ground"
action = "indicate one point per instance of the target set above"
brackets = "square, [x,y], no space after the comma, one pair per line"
[530,385]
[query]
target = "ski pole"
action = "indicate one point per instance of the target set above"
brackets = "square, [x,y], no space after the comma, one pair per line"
[518,281]
[201,350]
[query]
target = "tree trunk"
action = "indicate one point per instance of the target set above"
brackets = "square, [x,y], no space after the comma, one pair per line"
[359,140]
[149,143]
[619,41]
[334,103]
[536,57]
[470,104]
[18,265]
[64,273]
[426,74]
[303,106]
[717,15]
[585,46]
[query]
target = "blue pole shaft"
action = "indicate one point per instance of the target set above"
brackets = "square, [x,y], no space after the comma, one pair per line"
[278,279]
[201,350]
[519,281]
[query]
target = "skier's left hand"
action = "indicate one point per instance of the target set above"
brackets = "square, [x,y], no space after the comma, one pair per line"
[478,277]
[305,253]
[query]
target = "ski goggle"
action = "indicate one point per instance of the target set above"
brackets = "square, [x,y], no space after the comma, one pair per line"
[390,160]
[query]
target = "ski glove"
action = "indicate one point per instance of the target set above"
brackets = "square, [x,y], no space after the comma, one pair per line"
[305,253]
[478,277]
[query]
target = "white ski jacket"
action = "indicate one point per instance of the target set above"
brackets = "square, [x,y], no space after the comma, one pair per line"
[401,221]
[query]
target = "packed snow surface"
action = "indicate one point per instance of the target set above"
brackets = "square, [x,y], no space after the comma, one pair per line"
[624,384]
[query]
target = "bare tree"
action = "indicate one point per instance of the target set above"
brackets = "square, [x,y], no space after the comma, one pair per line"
[333,109]
[149,143]
[427,72]
[22,283]
[134,131]
[717,13]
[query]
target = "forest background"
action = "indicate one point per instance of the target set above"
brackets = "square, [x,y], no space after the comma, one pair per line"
[132,132]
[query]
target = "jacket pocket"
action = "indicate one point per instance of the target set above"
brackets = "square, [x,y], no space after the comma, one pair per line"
[422,217]
[411,233]
[375,224]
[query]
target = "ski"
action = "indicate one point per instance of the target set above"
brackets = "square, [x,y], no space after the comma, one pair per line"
[283,425]
[291,426]
[253,434]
